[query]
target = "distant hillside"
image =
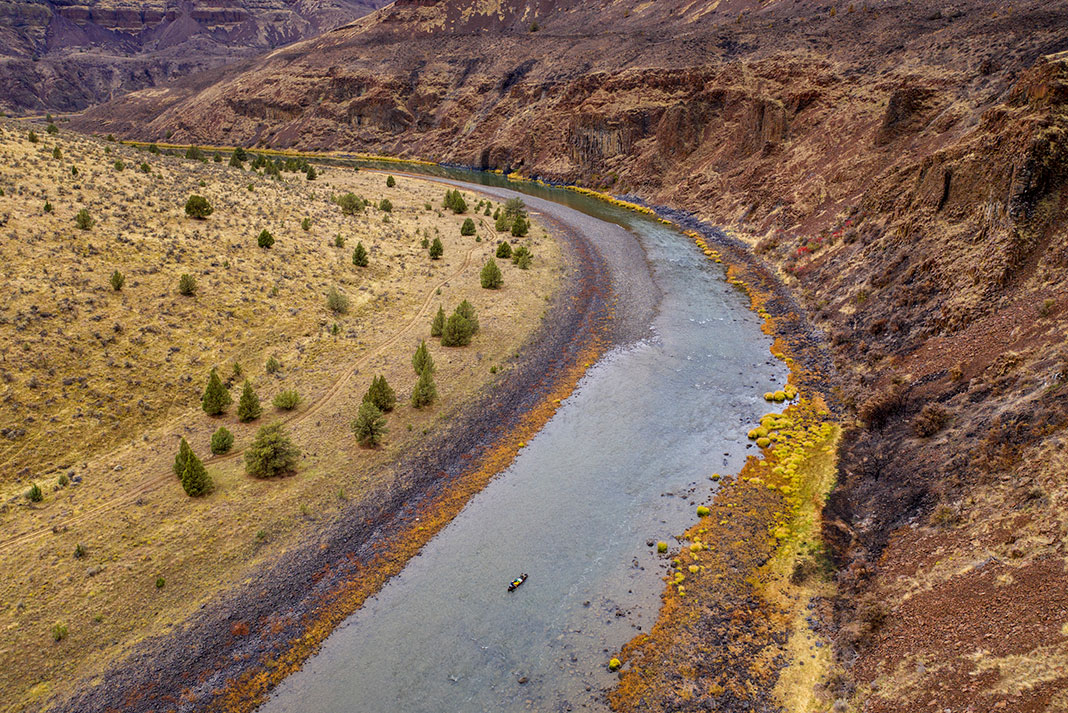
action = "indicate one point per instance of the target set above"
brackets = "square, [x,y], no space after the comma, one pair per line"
[65,55]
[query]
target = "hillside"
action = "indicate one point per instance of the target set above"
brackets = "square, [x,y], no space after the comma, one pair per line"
[900,164]
[97,384]
[65,55]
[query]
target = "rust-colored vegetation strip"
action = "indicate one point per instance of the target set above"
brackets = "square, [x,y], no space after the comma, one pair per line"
[739,582]
[390,557]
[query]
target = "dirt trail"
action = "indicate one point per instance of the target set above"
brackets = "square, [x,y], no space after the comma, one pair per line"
[158,480]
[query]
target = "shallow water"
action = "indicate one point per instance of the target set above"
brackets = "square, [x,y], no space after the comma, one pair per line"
[625,460]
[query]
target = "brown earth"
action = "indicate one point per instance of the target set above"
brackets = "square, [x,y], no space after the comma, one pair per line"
[901,164]
[65,55]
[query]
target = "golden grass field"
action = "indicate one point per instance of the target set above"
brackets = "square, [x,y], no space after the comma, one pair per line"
[101,383]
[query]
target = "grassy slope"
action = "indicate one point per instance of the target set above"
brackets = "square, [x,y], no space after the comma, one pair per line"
[144,354]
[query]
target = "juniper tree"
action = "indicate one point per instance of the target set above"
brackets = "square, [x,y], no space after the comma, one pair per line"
[222,441]
[359,255]
[248,408]
[195,478]
[32,136]
[265,239]
[491,277]
[52,128]
[436,249]
[466,310]
[502,224]
[425,391]
[215,398]
[381,394]
[390,182]
[369,425]
[524,260]
[117,280]
[311,174]
[438,323]
[198,207]
[180,460]
[421,360]
[520,227]
[349,203]
[83,220]
[385,205]
[271,453]
[187,285]
[236,162]
[336,301]
[468,228]
[504,250]
[56,153]
[457,332]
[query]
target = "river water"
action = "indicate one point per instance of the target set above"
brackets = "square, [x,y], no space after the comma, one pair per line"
[625,461]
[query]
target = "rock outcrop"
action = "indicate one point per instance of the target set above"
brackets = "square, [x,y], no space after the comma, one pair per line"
[65,55]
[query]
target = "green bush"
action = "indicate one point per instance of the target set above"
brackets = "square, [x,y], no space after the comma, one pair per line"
[468,228]
[273,366]
[160,582]
[381,394]
[437,325]
[491,277]
[455,202]
[119,165]
[59,631]
[272,453]
[339,241]
[145,168]
[187,285]
[359,255]
[265,239]
[48,208]
[466,310]
[421,360]
[436,249]
[194,476]
[457,332]
[153,149]
[305,225]
[425,391]
[83,220]
[336,301]
[57,153]
[194,153]
[222,441]
[198,207]
[520,227]
[502,224]
[52,128]
[236,162]
[504,250]
[34,494]
[390,182]
[369,425]
[248,408]
[515,208]
[519,253]
[385,205]
[311,175]
[216,398]
[349,203]
[32,136]
[117,280]
[523,263]
[287,400]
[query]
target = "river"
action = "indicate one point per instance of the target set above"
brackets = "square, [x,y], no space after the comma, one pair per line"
[624,462]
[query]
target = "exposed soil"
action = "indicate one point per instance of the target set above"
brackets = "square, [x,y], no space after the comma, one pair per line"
[229,654]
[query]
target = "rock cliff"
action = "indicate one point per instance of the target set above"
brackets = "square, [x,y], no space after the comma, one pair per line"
[65,55]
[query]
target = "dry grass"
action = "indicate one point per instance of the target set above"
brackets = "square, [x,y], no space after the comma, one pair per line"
[101,383]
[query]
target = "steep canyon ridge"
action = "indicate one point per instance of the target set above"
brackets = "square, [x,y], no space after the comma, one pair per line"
[900,165]
[65,55]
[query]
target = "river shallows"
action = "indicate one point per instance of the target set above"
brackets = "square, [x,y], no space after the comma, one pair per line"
[625,460]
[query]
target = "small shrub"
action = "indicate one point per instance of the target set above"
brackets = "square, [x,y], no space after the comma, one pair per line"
[32,136]
[523,263]
[1046,308]
[198,207]
[944,517]
[437,325]
[59,631]
[160,582]
[880,406]
[359,255]
[51,128]
[520,227]
[455,202]
[349,203]
[311,175]
[272,453]
[390,182]
[248,407]
[702,511]
[502,223]
[265,239]
[222,441]
[339,241]
[63,481]
[145,168]
[194,153]
[57,153]
[519,253]
[436,249]
[74,170]
[930,420]
[457,332]
[385,205]
[467,311]
[216,398]
[425,391]
[117,280]
[79,551]
[504,250]
[287,400]
[119,165]
[336,301]
[468,228]
[34,494]
[661,547]
[83,220]
[273,366]
[48,208]
[369,425]
[381,394]
[305,225]
[491,277]
[187,285]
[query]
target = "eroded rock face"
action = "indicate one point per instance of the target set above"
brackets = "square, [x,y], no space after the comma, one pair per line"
[65,55]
